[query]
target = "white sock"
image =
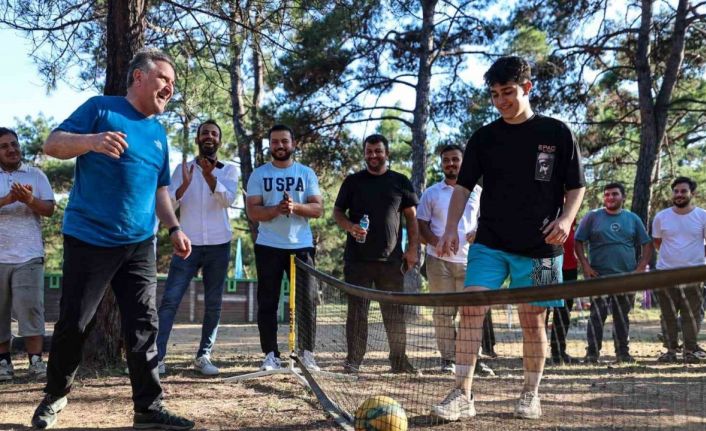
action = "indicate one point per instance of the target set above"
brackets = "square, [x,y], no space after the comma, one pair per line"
[532,380]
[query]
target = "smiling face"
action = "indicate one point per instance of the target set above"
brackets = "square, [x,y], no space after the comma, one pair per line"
[208,140]
[152,88]
[281,145]
[681,195]
[512,100]
[10,153]
[376,157]
[612,199]
[451,163]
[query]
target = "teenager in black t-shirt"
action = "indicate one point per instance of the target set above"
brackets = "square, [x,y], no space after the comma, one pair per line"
[384,196]
[528,163]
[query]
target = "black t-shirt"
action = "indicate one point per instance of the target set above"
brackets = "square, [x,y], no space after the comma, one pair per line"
[382,198]
[526,169]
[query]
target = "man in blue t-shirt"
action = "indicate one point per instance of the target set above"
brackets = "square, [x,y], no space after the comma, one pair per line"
[121,178]
[613,235]
[282,196]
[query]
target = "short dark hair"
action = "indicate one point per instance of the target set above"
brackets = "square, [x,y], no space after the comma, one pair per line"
[507,69]
[450,147]
[678,180]
[615,185]
[280,128]
[209,121]
[4,131]
[144,60]
[375,139]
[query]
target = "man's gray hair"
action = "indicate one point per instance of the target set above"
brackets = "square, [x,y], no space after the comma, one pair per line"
[144,60]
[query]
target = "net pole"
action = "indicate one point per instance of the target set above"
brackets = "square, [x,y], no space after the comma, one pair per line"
[292,302]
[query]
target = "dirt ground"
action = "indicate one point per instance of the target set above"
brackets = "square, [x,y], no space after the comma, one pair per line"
[605,396]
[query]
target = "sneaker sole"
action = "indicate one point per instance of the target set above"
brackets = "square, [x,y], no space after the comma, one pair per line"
[527,416]
[160,426]
[452,418]
[200,371]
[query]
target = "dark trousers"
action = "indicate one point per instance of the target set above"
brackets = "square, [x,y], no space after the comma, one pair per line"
[683,301]
[272,263]
[620,306]
[88,270]
[561,319]
[382,276]
[488,339]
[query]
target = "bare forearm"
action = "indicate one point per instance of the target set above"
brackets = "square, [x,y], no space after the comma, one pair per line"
[42,207]
[165,212]
[580,253]
[425,233]
[410,215]
[309,210]
[646,255]
[457,205]
[342,220]
[259,213]
[64,145]
[573,203]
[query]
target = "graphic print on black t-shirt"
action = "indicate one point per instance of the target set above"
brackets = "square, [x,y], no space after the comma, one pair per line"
[544,166]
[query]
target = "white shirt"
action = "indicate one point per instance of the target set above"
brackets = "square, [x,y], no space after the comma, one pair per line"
[434,206]
[20,227]
[204,214]
[683,237]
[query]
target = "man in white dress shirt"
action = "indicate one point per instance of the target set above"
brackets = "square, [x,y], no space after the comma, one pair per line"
[203,189]
[448,273]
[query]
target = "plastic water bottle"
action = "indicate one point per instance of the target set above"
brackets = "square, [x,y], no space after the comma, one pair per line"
[364,223]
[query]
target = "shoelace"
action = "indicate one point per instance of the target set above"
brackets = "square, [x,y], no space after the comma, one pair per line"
[526,399]
[450,398]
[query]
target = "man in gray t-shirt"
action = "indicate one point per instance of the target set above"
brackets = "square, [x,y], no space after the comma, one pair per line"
[25,196]
[613,235]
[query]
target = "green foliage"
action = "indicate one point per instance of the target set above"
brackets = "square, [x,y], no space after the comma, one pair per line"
[53,239]
[32,132]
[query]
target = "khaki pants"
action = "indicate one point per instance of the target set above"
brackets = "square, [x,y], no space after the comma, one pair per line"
[445,277]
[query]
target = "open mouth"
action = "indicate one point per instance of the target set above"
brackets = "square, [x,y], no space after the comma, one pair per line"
[164,95]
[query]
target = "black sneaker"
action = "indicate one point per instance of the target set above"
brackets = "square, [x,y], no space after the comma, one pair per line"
[160,419]
[569,360]
[47,410]
[668,357]
[625,358]
[590,359]
[402,366]
[482,369]
[351,368]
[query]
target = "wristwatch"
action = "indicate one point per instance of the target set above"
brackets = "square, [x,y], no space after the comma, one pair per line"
[173,229]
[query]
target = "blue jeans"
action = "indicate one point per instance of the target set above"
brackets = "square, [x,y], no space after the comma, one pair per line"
[213,260]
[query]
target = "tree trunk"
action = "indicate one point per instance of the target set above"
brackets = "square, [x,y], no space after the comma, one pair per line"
[125,36]
[237,39]
[423,94]
[653,114]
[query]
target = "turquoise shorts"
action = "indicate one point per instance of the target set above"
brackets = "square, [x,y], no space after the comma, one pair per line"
[490,268]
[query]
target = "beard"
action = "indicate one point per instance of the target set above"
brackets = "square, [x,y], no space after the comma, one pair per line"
[209,152]
[287,155]
[377,168]
[683,204]
[450,175]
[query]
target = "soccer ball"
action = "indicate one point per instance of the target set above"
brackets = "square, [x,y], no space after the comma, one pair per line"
[380,413]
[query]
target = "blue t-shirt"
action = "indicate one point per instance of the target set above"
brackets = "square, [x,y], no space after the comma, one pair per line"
[112,201]
[612,239]
[271,182]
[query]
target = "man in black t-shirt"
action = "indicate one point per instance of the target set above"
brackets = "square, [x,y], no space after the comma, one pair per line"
[374,256]
[528,162]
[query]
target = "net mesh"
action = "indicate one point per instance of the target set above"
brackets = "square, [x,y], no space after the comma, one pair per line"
[613,392]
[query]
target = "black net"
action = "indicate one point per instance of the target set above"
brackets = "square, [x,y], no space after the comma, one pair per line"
[625,378]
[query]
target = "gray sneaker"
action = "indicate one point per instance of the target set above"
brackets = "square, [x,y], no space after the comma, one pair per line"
[528,406]
[37,367]
[455,406]
[203,365]
[47,410]
[7,372]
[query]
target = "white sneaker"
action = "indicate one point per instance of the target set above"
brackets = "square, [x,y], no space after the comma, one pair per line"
[271,362]
[203,365]
[455,406]
[6,370]
[37,367]
[307,359]
[528,406]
